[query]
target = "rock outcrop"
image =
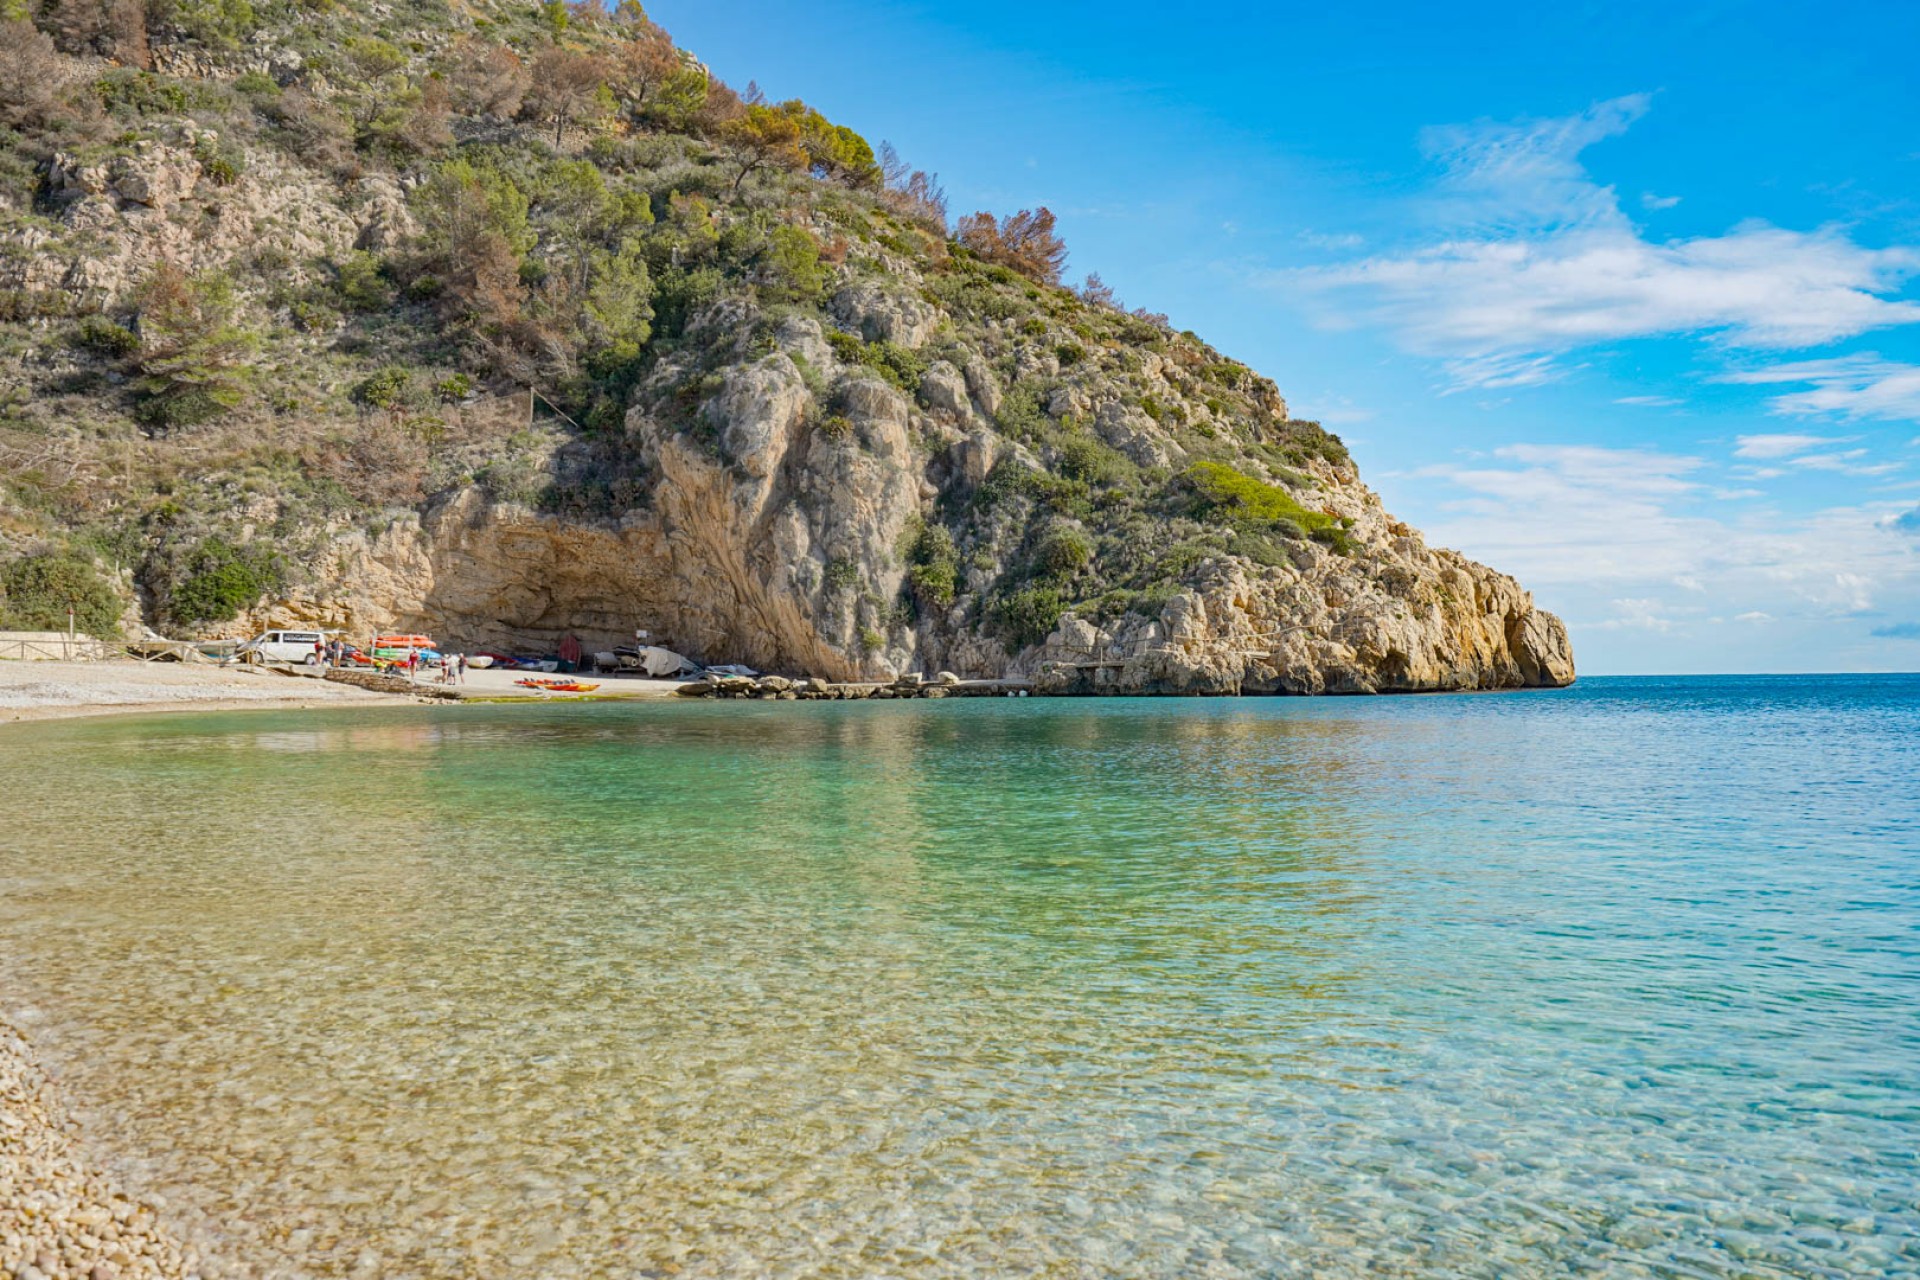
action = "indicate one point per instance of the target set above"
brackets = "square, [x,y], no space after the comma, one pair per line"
[787,420]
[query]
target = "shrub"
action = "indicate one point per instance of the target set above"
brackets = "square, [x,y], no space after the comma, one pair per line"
[221,579]
[842,574]
[103,337]
[897,364]
[453,388]
[256,84]
[933,566]
[1308,439]
[1091,462]
[390,388]
[222,165]
[218,24]
[36,591]
[129,92]
[1227,492]
[790,266]
[1029,615]
[1064,551]
[846,347]
[360,281]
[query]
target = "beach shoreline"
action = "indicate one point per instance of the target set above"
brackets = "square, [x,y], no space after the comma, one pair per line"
[36,692]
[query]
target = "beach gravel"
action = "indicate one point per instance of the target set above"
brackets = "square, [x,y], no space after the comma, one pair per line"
[61,1217]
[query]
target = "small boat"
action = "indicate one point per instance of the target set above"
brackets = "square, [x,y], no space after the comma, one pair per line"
[479,662]
[557,686]
[404,642]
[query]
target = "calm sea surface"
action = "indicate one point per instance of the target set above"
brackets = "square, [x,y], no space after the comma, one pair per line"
[1619,980]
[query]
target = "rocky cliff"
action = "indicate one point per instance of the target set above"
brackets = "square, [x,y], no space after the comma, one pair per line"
[502,369]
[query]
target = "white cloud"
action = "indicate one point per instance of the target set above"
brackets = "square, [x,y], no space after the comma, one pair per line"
[1340,240]
[1778,446]
[1755,616]
[1540,259]
[1624,524]
[1648,200]
[1637,615]
[1846,462]
[1651,402]
[1853,387]
[1497,371]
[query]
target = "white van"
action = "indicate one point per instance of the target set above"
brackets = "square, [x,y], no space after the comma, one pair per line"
[284,646]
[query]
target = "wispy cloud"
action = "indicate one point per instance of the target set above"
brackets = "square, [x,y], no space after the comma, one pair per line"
[1537,259]
[1651,402]
[1778,446]
[1636,614]
[1655,203]
[1339,240]
[1846,462]
[1852,387]
[1643,525]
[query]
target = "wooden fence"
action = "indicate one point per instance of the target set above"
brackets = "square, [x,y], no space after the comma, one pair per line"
[50,646]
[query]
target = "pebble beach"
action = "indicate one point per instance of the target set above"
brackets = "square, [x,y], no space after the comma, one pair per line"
[64,690]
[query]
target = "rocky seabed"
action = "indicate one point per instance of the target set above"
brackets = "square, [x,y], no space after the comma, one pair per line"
[61,1216]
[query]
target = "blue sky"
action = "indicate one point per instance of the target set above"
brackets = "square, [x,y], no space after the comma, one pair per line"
[1623,299]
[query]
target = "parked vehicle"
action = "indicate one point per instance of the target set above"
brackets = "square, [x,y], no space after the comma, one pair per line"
[284,646]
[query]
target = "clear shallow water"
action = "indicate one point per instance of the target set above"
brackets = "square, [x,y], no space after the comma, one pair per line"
[1618,980]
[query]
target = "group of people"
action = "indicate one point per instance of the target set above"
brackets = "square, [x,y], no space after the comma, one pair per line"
[453,666]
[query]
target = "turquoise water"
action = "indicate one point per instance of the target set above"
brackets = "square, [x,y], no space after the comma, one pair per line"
[1617,980]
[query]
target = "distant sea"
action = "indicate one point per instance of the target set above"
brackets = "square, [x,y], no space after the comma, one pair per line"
[1618,980]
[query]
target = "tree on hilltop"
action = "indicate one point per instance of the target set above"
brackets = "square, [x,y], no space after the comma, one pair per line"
[641,66]
[1025,242]
[763,137]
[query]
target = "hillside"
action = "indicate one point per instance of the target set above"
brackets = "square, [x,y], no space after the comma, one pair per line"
[505,321]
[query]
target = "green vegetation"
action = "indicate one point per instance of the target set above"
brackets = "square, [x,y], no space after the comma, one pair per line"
[193,358]
[933,566]
[36,591]
[1257,506]
[222,579]
[1027,615]
[615,234]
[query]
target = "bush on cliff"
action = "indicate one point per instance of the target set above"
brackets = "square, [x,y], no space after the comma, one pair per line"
[222,579]
[1221,489]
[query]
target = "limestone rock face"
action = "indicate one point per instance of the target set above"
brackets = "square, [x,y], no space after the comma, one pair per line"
[158,204]
[1422,621]
[775,538]
[882,315]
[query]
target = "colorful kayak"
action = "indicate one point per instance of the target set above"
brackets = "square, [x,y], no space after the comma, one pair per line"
[557,686]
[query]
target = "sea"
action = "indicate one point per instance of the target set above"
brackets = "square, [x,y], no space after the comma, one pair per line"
[1616,980]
